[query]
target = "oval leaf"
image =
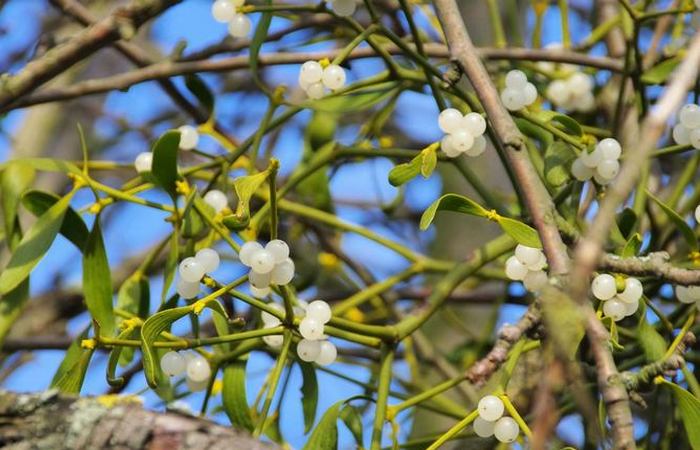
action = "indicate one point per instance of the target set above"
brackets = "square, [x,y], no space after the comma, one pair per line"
[309,395]
[690,413]
[451,202]
[97,281]
[73,226]
[165,161]
[233,395]
[520,232]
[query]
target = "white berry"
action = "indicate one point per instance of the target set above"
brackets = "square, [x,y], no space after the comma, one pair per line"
[172,364]
[462,140]
[188,137]
[319,310]
[580,82]
[608,168]
[558,92]
[216,199]
[344,8]
[209,258]
[681,134]
[311,328]
[259,280]
[333,77]
[327,355]
[694,137]
[247,250]
[282,273]
[259,292]
[633,290]
[688,294]
[530,94]
[270,320]
[690,116]
[239,25]
[516,79]
[535,280]
[483,428]
[603,287]
[540,264]
[450,120]
[262,261]
[513,99]
[308,350]
[610,148]
[447,146]
[273,340]
[506,429]
[474,123]
[191,270]
[529,256]
[477,147]
[580,171]
[310,72]
[614,309]
[187,289]
[315,90]
[490,408]
[631,307]
[515,270]
[697,214]
[591,159]
[198,369]
[223,10]
[143,162]
[278,249]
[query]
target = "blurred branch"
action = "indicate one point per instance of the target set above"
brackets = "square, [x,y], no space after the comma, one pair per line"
[656,264]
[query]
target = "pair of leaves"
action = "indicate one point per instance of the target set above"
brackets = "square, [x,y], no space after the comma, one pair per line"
[424,164]
[520,232]
[245,188]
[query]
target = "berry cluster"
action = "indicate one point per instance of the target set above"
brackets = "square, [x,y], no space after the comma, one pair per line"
[574,93]
[343,8]
[519,92]
[688,294]
[268,265]
[224,11]
[216,199]
[617,305]
[314,79]
[527,265]
[602,163]
[193,268]
[195,367]
[491,421]
[688,130]
[315,347]
[463,133]
[188,140]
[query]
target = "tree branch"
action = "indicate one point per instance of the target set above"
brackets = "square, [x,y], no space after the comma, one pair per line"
[652,264]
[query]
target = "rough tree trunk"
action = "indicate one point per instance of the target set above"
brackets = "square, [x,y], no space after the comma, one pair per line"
[55,422]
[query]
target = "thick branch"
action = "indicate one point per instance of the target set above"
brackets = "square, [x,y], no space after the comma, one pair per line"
[652,264]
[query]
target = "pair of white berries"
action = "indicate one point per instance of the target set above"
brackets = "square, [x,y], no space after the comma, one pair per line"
[617,305]
[269,265]
[688,294]
[315,347]
[463,133]
[193,268]
[314,79]
[602,163]
[574,93]
[687,131]
[519,92]
[527,265]
[343,8]
[224,11]
[195,367]
[189,137]
[216,199]
[491,422]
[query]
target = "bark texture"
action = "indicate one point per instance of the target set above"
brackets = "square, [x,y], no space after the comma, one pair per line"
[52,421]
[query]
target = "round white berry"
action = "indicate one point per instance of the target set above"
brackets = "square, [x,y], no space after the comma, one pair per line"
[506,429]
[631,307]
[608,168]
[580,82]
[478,147]
[513,99]
[681,134]
[270,320]
[223,10]
[688,294]
[191,270]
[558,92]
[278,249]
[310,72]
[580,171]
[172,364]
[262,261]
[447,146]
[209,258]
[609,148]
[247,250]
[315,90]
[273,340]
[474,123]
[187,289]
[239,25]
[633,290]
[188,137]
[259,292]
[319,310]
[535,280]
[333,77]
[490,408]
[515,270]
[540,264]
[591,159]
[462,140]
[530,94]
[690,116]
[450,120]
[601,180]
[694,137]
[198,369]
[259,280]
[527,255]
[282,273]
[603,287]
[516,79]
[308,350]
[327,355]
[614,309]
[697,214]
[344,8]
[585,102]
[143,162]
[483,428]
[216,199]
[311,328]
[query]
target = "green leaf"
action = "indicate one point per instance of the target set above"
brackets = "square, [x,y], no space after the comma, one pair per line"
[14,180]
[134,297]
[170,265]
[193,225]
[557,159]
[563,121]
[34,244]
[309,395]
[353,102]
[651,341]
[405,172]
[71,373]
[690,413]
[115,356]
[245,188]
[97,281]
[520,232]
[451,202]
[73,226]
[233,395]
[46,165]
[11,306]
[683,227]
[325,435]
[151,329]
[199,89]
[632,246]
[660,72]
[353,420]
[259,38]
[626,222]
[165,161]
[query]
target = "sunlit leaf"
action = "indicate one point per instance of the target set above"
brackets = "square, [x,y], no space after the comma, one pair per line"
[97,281]
[233,395]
